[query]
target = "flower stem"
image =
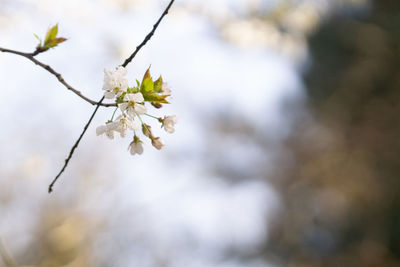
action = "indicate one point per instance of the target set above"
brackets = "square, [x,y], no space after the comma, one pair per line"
[151,116]
[144,125]
[112,117]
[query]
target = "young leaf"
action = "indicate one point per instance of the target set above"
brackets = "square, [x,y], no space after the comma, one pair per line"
[147,85]
[54,42]
[158,84]
[132,90]
[59,40]
[146,75]
[153,97]
[51,34]
[37,37]
[120,99]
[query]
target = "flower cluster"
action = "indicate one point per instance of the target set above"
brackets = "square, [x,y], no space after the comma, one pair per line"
[131,102]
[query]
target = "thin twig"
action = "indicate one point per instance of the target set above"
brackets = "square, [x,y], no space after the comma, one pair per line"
[148,36]
[127,61]
[30,56]
[75,146]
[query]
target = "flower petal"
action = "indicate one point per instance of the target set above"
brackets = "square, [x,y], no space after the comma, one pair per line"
[138,97]
[101,129]
[123,106]
[131,112]
[128,97]
[133,125]
[140,109]
[109,95]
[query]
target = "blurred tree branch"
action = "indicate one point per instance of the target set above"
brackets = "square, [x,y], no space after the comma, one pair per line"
[7,258]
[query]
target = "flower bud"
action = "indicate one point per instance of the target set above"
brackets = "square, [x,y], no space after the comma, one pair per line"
[157,142]
[156,105]
[146,130]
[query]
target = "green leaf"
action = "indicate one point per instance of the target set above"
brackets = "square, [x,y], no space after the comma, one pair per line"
[146,75]
[50,45]
[132,90]
[138,83]
[147,85]
[158,84]
[51,34]
[59,40]
[54,42]
[153,97]
[120,99]
[37,37]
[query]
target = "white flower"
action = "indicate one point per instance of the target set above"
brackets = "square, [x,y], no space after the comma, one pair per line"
[168,122]
[114,82]
[108,129]
[133,105]
[157,142]
[135,146]
[123,123]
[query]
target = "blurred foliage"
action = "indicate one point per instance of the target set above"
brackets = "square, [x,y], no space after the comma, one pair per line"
[58,239]
[282,26]
[340,188]
[337,173]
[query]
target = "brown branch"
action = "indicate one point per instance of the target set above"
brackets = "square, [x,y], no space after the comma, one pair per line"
[75,146]
[148,36]
[31,57]
[127,61]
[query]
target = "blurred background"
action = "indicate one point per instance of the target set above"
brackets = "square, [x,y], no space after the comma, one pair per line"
[286,152]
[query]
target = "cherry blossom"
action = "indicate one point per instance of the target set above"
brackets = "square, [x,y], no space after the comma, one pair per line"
[115,83]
